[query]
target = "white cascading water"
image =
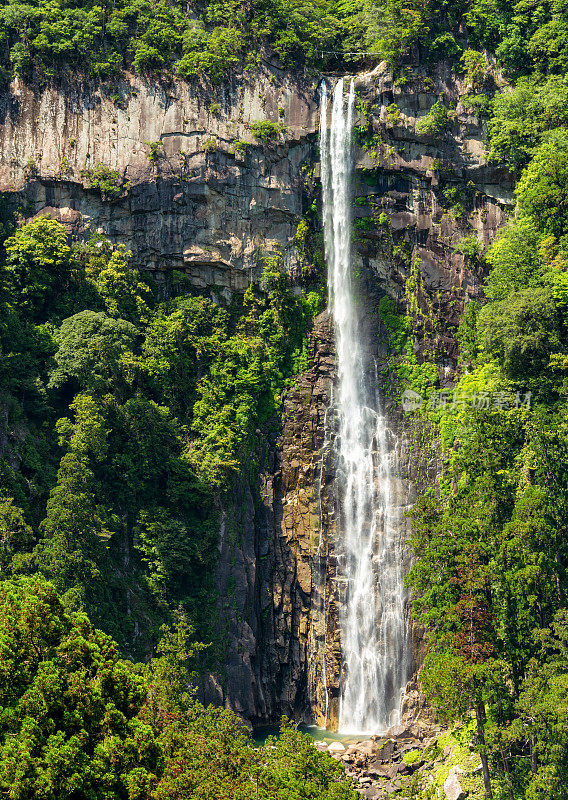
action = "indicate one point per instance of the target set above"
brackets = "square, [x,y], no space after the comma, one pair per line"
[374,630]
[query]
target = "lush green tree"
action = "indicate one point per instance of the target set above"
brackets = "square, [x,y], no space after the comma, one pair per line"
[172,675]
[77,526]
[15,534]
[522,115]
[436,122]
[166,547]
[540,727]
[180,343]
[69,725]
[214,54]
[522,332]
[79,723]
[90,346]
[542,191]
[526,37]
[26,350]
[514,258]
[39,268]
[293,768]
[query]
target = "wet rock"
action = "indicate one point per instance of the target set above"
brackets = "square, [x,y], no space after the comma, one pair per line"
[401,769]
[377,769]
[400,732]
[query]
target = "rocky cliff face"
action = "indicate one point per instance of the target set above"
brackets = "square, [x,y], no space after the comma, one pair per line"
[199,195]
[196,190]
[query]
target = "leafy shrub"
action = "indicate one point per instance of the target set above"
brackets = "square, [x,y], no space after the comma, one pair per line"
[265,130]
[148,58]
[444,46]
[106,180]
[478,103]
[123,293]
[514,258]
[300,236]
[240,147]
[155,151]
[412,756]
[393,115]
[470,248]
[39,266]
[474,65]
[435,123]
[31,169]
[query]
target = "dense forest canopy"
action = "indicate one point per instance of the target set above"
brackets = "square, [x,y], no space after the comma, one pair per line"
[214,39]
[77,721]
[136,412]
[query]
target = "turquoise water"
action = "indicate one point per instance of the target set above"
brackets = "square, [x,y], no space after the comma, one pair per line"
[260,735]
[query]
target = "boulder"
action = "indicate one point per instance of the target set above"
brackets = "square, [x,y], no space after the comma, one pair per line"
[386,750]
[452,786]
[399,768]
[367,747]
[336,747]
[400,732]
[371,793]
[377,769]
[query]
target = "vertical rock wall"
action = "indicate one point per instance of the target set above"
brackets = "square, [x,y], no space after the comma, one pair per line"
[206,208]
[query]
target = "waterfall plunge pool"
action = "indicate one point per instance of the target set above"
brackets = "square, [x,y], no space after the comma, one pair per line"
[261,734]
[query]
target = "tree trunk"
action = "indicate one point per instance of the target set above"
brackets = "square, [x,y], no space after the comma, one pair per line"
[480,717]
[506,771]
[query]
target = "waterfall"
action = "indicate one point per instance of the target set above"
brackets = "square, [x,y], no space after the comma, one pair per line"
[373,623]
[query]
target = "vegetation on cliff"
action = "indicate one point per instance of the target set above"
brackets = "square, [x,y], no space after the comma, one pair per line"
[490,537]
[212,38]
[127,417]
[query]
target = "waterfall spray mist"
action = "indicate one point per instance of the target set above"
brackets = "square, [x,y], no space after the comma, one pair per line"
[374,631]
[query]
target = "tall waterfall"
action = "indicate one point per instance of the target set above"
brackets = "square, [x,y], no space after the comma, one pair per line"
[374,631]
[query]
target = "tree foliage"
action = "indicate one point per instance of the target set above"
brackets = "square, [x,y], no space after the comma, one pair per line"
[69,724]
[137,416]
[79,723]
[490,539]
